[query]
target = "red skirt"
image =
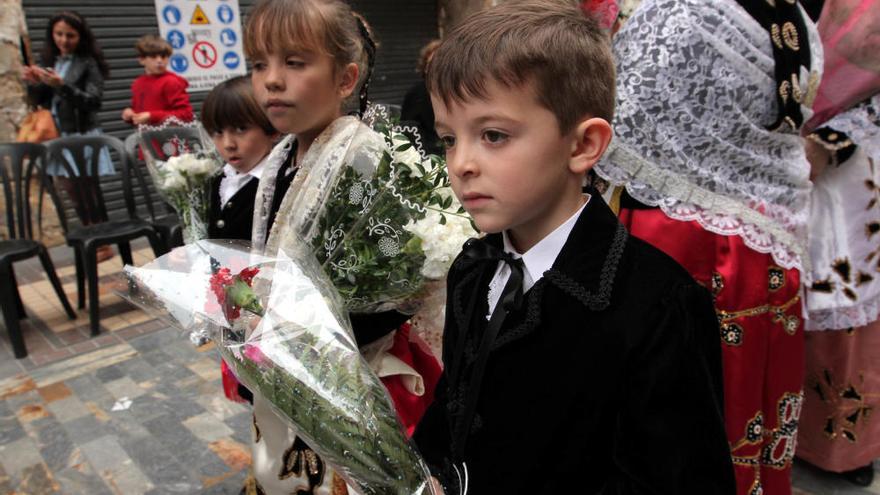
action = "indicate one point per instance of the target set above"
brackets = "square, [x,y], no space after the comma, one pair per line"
[762,340]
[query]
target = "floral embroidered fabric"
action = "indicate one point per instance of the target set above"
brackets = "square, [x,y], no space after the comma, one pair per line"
[696,91]
[845,228]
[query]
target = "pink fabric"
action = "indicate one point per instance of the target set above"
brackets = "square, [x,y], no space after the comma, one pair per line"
[604,11]
[839,428]
[850,31]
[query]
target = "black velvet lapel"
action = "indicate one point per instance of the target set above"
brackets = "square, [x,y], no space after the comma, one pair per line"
[585,274]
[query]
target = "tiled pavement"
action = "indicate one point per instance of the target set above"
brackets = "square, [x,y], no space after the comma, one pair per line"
[138,409]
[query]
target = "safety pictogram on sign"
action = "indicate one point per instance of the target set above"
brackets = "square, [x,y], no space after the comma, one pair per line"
[204,54]
[199,16]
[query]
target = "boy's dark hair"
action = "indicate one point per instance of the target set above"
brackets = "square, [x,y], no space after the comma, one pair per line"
[232,104]
[549,44]
[149,45]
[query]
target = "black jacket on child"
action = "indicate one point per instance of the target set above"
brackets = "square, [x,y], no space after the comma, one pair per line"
[235,219]
[607,380]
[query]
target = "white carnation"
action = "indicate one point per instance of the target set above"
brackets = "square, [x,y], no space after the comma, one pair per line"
[190,165]
[441,243]
[173,180]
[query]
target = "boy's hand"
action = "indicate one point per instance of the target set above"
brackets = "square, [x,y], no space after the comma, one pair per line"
[141,118]
[127,115]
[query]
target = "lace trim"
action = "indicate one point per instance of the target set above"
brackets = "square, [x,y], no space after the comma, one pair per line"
[862,124]
[266,191]
[684,201]
[858,315]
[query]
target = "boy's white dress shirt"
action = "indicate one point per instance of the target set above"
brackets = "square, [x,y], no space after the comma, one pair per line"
[536,260]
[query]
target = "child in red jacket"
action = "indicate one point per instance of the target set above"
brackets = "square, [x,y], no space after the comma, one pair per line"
[158,94]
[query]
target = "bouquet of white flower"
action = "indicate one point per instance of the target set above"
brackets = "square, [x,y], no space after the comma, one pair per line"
[184,179]
[383,227]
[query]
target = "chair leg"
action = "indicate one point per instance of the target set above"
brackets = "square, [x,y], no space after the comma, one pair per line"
[159,248]
[56,284]
[19,305]
[10,312]
[125,253]
[90,260]
[78,254]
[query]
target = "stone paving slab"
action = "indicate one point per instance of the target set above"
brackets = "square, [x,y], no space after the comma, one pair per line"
[145,416]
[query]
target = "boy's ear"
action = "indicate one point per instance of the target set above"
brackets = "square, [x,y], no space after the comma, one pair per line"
[592,137]
[142,60]
[348,82]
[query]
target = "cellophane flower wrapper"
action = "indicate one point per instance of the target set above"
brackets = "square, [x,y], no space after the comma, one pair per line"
[301,355]
[382,225]
[184,179]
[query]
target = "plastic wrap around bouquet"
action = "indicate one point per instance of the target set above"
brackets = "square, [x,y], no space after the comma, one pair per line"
[181,161]
[376,212]
[299,352]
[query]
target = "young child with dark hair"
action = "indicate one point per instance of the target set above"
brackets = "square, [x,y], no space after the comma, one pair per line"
[158,95]
[244,137]
[575,354]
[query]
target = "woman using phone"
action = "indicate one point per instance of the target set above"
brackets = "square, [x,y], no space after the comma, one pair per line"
[70,84]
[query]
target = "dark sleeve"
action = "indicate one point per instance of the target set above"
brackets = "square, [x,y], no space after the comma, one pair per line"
[432,435]
[670,436]
[177,103]
[87,97]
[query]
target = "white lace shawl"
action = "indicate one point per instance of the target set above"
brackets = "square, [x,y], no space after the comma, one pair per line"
[345,142]
[695,92]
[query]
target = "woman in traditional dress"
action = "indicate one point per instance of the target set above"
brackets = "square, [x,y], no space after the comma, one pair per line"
[838,431]
[711,96]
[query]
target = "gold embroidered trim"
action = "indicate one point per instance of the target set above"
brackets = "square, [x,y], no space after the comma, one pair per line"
[760,310]
[790,36]
[775,35]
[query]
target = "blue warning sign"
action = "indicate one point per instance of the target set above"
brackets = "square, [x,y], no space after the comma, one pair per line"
[179,63]
[176,39]
[228,37]
[225,14]
[231,60]
[171,14]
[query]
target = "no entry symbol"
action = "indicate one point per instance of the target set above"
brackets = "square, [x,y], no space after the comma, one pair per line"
[204,54]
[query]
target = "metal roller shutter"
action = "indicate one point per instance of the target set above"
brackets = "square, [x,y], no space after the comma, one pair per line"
[402,28]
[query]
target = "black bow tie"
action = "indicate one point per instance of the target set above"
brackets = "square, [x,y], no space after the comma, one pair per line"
[511,296]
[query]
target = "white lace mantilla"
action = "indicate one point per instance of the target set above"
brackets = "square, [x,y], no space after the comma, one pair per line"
[695,92]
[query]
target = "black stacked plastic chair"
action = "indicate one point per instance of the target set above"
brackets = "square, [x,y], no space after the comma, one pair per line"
[85,240]
[25,162]
[166,222]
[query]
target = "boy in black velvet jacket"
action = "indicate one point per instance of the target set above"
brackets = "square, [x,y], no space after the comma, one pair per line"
[577,359]
[244,137]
